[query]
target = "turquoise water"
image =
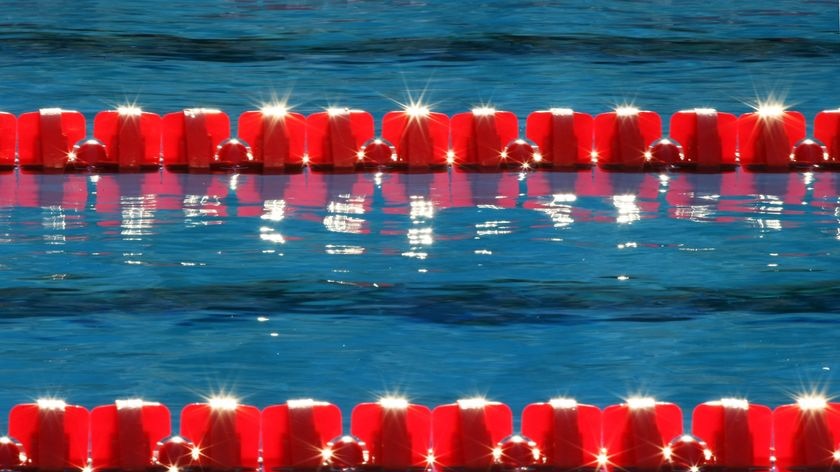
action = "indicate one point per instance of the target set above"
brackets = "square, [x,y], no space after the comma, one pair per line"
[343,287]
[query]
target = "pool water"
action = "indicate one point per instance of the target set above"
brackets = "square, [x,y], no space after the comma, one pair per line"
[515,286]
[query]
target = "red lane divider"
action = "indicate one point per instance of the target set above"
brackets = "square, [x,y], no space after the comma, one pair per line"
[622,138]
[124,435]
[397,433]
[393,434]
[276,140]
[708,139]
[563,138]
[567,433]
[295,434]
[738,432]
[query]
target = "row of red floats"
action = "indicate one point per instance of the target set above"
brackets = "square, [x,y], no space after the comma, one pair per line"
[276,140]
[393,434]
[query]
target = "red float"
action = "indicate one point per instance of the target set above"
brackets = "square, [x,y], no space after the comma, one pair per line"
[379,153]
[465,433]
[637,432]
[766,138]
[806,435]
[54,435]
[12,455]
[295,434]
[234,155]
[517,452]
[420,137]
[479,138]
[396,432]
[738,432]
[568,433]
[131,138]
[226,433]
[687,453]
[46,139]
[563,136]
[90,152]
[622,138]
[345,453]
[810,154]
[124,435]
[662,154]
[827,130]
[335,136]
[191,136]
[8,140]
[276,136]
[708,138]
[175,453]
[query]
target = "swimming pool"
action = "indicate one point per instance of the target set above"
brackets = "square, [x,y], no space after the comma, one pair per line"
[341,287]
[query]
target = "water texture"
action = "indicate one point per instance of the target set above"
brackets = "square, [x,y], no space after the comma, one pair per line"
[343,287]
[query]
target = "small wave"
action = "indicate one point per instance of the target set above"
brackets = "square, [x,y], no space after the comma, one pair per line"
[68,42]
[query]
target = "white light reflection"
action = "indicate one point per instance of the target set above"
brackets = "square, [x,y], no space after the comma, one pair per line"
[640,403]
[344,224]
[561,403]
[201,210]
[56,220]
[274,210]
[304,403]
[421,212]
[393,403]
[420,236]
[129,110]
[560,209]
[733,403]
[133,404]
[769,205]
[473,403]
[493,227]
[344,250]
[51,404]
[626,110]
[223,403]
[420,209]
[484,111]
[628,210]
[697,212]
[270,235]
[812,402]
[138,216]
[339,219]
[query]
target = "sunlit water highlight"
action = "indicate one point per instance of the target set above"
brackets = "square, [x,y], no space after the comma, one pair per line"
[520,286]
[342,287]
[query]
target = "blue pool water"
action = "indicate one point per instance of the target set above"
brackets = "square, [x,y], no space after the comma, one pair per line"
[343,287]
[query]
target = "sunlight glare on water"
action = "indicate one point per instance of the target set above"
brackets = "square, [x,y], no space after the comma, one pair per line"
[517,286]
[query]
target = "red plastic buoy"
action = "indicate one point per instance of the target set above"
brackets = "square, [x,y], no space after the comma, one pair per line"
[345,452]
[563,136]
[688,453]
[378,152]
[11,453]
[517,452]
[233,153]
[479,137]
[708,138]
[664,153]
[520,154]
[622,137]
[420,136]
[176,452]
[90,152]
[809,153]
